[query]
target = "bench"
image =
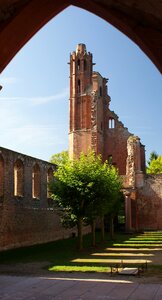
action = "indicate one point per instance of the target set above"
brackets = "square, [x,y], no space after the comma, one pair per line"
[123,268]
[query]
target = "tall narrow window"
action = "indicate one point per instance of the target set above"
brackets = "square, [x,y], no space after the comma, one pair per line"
[110,159]
[78,64]
[85,65]
[18,178]
[36,181]
[79,86]
[111,123]
[1,176]
[100,91]
[49,179]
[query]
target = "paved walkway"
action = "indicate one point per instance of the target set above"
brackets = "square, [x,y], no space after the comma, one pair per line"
[46,288]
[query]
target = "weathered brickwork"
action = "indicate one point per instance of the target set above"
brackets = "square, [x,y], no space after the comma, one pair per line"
[94,126]
[143,192]
[27,215]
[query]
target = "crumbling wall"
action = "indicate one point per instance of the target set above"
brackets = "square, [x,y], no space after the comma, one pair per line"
[149,203]
[115,141]
[27,219]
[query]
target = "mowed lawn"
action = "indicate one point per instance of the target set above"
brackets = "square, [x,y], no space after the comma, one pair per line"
[62,256]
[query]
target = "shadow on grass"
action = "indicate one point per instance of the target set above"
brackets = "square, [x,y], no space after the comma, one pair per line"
[63,256]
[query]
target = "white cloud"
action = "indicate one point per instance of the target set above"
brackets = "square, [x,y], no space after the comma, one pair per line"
[9,80]
[37,141]
[39,100]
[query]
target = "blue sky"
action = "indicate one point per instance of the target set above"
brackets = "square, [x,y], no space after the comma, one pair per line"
[34,98]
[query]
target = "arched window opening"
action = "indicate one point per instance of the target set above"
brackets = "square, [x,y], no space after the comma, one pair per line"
[85,65]
[79,86]
[1,176]
[78,64]
[49,179]
[111,123]
[18,178]
[36,181]
[100,91]
[110,159]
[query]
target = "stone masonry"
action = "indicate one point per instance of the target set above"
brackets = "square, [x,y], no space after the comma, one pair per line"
[94,126]
[27,215]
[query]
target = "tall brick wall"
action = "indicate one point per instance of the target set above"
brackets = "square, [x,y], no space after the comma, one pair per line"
[149,203]
[26,219]
[92,124]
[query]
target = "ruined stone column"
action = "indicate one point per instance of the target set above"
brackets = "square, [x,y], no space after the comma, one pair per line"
[128,219]
[135,176]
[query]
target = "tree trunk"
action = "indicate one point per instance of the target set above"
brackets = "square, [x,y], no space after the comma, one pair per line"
[93,229]
[102,229]
[80,233]
[111,227]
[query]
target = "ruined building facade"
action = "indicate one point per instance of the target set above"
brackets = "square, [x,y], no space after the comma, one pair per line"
[27,214]
[94,126]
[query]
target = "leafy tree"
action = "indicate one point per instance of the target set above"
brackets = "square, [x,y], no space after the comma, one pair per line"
[153,155]
[82,188]
[155,166]
[59,158]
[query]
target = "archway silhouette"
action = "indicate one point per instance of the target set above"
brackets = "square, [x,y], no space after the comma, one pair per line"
[141,23]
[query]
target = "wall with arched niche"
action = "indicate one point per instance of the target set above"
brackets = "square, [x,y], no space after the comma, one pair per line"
[27,214]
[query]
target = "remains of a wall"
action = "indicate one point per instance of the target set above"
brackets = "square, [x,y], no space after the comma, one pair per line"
[27,219]
[116,142]
[149,203]
[134,166]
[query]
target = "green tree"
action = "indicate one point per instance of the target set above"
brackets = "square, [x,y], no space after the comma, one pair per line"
[59,158]
[82,187]
[155,166]
[153,155]
[113,200]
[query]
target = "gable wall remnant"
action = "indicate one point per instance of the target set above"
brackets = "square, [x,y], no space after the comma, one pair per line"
[149,203]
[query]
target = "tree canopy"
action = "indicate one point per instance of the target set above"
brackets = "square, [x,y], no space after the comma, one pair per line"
[153,155]
[59,158]
[85,188]
[155,166]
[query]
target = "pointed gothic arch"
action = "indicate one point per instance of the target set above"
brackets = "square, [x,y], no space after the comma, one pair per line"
[18,178]
[141,23]
[36,181]
[49,179]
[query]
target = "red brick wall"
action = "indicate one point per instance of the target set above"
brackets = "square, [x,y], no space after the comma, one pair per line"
[149,203]
[116,145]
[26,220]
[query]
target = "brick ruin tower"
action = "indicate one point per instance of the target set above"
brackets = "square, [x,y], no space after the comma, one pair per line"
[92,124]
[80,101]
[86,113]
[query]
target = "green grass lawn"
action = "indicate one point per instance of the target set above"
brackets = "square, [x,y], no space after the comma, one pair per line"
[63,255]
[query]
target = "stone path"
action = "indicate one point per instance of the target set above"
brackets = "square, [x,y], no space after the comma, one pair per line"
[48,288]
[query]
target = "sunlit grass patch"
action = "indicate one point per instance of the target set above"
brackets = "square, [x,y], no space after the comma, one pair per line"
[118,254]
[143,241]
[110,261]
[136,245]
[78,268]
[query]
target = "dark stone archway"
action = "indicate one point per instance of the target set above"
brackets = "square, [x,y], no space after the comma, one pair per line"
[141,21]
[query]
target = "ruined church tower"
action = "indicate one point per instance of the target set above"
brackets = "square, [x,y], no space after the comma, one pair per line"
[88,99]
[92,124]
[80,100]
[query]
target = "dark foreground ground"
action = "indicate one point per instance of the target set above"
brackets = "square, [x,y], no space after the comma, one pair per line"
[80,287]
